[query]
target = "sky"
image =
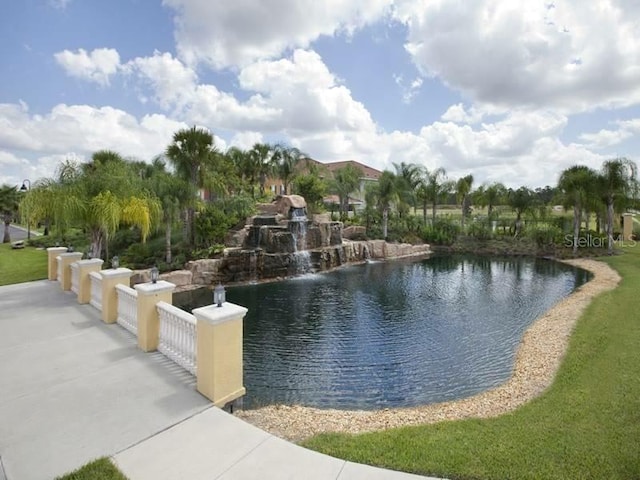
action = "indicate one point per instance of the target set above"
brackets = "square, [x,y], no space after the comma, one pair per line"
[508,91]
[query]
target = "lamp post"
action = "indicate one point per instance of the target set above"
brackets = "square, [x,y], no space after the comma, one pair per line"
[219,296]
[24,188]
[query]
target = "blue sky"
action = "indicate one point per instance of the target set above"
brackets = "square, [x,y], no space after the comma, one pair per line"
[507,91]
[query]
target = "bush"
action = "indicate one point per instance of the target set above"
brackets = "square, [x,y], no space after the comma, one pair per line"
[480,230]
[545,235]
[442,232]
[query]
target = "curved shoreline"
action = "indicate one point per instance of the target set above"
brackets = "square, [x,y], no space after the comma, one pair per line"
[538,358]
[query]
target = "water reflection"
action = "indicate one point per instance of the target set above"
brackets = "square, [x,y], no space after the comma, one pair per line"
[393,333]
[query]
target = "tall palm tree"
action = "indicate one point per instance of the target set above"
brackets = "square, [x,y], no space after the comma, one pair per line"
[345,181]
[520,200]
[463,188]
[408,179]
[286,159]
[174,194]
[433,187]
[262,159]
[617,183]
[577,183]
[9,202]
[192,152]
[385,194]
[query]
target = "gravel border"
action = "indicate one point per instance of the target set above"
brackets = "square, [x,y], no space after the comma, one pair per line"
[538,358]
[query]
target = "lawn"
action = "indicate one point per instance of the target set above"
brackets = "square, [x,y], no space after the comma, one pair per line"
[100,469]
[586,426]
[21,265]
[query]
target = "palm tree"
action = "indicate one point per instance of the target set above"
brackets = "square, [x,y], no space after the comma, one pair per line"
[192,152]
[463,188]
[433,187]
[286,159]
[386,193]
[408,179]
[9,202]
[345,181]
[617,183]
[262,160]
[520,200]
[174,194]
[577,183]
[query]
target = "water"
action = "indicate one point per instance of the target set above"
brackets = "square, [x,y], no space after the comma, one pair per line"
[301,255]
[393,334]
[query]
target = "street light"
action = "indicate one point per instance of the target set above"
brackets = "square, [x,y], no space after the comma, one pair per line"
[24,188]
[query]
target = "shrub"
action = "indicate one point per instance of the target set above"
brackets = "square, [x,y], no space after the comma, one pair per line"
[480,230]
[442,232]
[545,235]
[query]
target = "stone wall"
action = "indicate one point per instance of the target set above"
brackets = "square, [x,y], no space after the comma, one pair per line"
[243,265]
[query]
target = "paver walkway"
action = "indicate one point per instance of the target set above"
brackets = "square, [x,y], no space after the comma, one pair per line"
[73,389]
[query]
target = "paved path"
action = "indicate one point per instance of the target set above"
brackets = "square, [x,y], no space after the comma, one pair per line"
[74,389]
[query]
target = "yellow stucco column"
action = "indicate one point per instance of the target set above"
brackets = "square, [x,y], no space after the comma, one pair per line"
[627,226]
[66,259]
[84,283]
[219,352]
[110,278]
[52,268]
[149,294]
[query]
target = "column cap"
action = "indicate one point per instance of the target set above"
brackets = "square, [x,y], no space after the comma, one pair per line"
[77,255]
[149,288]
[90,261]
[116,272]
[216,315]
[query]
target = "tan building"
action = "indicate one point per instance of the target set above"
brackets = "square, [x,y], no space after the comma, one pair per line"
[356,200]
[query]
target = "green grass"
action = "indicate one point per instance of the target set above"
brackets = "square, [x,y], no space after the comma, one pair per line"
[100,469]
[586,426]
[21,265]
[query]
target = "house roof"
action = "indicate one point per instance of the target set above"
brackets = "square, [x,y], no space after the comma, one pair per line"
[369,173]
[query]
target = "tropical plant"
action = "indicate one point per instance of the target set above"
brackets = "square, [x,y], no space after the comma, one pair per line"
[408,179]
[384,194]
[463,188]
[286,159]
[489,196]
[312,188]
[262,160]
[192,153]
[9,203]
[433,187]
[345,181]
[618,184]
[520,200]
[174,194]
[577,183]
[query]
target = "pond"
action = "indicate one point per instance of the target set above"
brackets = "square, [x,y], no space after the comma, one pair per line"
[391,334]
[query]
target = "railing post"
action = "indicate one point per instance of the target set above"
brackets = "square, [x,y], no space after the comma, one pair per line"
[219,352]
[52,265]
[84,282]
[149,294]
[110,278]
[66,260]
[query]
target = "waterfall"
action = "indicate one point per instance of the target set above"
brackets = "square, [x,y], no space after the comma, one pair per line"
[301,256]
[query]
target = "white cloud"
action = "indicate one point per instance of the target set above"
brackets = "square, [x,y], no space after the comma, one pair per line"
[410,90]
[572,55]
[79,130]
[96,66]
[246,140]
[236,33]
[607,138]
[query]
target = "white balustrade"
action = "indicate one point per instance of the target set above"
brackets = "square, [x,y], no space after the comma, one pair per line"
[75,278]
[177,335]
[127,308]
[96,290]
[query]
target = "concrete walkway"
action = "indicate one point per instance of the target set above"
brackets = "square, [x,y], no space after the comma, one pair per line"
[74,389]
